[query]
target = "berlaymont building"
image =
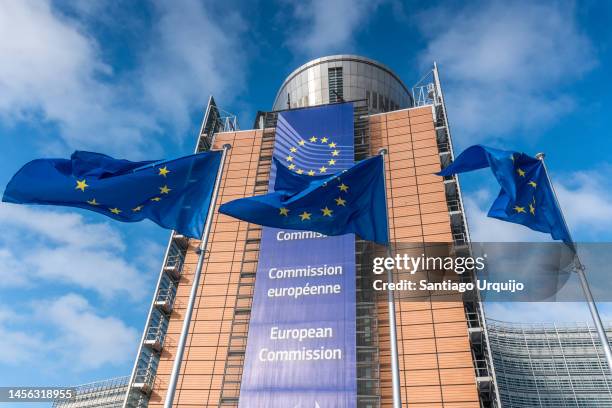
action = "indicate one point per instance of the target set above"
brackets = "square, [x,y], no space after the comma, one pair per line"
[442,354]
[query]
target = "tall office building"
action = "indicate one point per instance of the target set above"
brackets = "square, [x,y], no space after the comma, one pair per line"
[442,348]
[548,365]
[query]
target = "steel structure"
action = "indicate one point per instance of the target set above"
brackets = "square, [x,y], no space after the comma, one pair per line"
[100,394]
[428,91]
[338,78]
[549,365]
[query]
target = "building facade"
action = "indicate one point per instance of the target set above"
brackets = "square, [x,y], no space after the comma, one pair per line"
[442,345]
[547,365]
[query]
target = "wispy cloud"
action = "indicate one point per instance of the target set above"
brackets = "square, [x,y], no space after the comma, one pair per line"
[53,71]
[65,333]
[194,53]
[506,65]
[64,248]
[328,27]
[584,196]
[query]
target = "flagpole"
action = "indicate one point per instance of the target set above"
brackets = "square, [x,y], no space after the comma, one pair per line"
[395,376]
[180,348]
[579,268]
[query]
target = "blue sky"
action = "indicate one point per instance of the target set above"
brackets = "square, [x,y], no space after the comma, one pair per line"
[130,79]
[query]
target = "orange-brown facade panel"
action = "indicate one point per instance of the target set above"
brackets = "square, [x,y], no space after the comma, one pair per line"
[434,351]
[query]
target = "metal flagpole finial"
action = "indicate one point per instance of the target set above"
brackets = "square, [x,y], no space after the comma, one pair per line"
[382,151]
[540,156]
[227,146]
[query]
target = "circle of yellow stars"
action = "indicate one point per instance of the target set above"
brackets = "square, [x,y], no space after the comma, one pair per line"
[321,170]
[522,174]
[163,190]
[325,211]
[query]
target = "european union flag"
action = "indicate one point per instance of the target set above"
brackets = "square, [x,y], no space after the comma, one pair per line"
[175,193]
[350,201]
[526,196]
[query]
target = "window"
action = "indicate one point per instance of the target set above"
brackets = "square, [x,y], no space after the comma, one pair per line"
[335,84]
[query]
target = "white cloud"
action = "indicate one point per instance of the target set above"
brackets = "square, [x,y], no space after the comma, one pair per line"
[502,63]
[194,53]
[586,200]
[53,71]
[66,332]
[94,340]
[63,247]
[327,27]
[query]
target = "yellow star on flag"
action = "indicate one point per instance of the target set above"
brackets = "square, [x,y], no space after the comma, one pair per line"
[331,162]
[335,153]
[531,209]
[340,202]
[311,172]
[519,209]
[92,202]
[322,169]
[114,210]
[163,171]
[289,158]
[302,142]
[283,211]
[326,212]
[313,139]
[299,171]
[332,145]
[164,189]
[343,187]
[305,216]
[323,140]
[81,185]
[520,172]
[291,166]
[293,150]
[156,199]
[137,208]
[533,184]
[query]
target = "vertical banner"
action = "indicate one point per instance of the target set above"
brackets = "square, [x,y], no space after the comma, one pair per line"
[301,350]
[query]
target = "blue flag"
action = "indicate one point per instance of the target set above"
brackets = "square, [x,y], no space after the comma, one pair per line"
[526,196]
[351,201]
[175,193]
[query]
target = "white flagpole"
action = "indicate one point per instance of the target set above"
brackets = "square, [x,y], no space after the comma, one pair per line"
[579,269]
[180,348]
[395,375]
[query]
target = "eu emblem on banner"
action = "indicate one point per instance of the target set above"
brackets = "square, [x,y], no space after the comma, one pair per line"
[175,194]
[310,146]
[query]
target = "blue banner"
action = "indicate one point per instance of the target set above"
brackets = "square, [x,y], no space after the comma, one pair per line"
[301,349]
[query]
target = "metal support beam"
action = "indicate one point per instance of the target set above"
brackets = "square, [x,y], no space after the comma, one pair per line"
[180,348]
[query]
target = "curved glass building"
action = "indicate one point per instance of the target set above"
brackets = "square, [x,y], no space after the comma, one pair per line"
[547,365]
[339,78]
